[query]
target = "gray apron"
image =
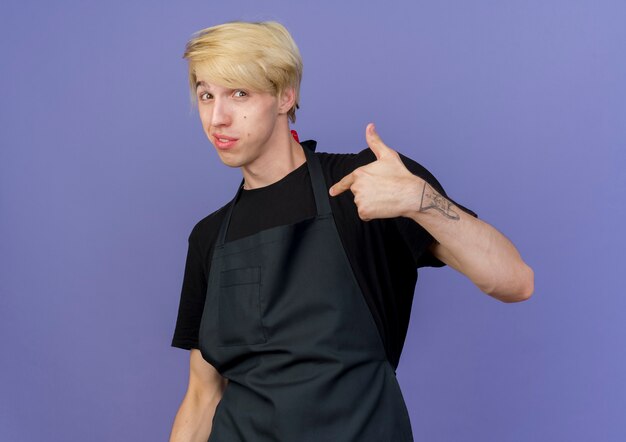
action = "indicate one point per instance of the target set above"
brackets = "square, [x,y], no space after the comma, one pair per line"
[285,321]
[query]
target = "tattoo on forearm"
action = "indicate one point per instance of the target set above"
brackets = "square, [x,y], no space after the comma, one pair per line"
[431,199]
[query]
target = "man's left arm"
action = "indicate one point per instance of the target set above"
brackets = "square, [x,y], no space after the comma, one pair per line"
[387,189]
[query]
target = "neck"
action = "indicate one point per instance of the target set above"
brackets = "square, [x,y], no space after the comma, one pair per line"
[285,156]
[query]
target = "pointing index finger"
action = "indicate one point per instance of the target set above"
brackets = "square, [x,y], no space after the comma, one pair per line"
[342,185]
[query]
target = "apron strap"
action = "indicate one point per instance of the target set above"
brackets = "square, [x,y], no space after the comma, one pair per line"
[221,236]
[320,193]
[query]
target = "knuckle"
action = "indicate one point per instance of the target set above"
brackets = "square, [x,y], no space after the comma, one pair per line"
[364,213]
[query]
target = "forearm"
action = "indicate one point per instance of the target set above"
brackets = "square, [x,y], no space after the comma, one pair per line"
[472,246]
[193,421]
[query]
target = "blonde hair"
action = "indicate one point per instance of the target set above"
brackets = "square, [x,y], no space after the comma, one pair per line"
[260,56]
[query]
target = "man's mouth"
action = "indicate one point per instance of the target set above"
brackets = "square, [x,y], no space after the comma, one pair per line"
[223,141]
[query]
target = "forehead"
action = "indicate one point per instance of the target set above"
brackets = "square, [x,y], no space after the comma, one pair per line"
[209,76]
[227,76]
[218,88]
[211,85]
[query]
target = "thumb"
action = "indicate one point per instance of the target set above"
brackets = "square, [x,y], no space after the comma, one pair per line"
[377,146]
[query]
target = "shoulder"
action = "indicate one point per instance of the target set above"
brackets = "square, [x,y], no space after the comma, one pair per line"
[204,232]
[346,160]
[338,165]
[419,170]
[341,164]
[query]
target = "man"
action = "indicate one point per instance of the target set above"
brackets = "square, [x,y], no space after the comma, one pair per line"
[297,294]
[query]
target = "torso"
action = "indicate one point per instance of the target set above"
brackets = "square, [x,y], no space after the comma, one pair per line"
[286,322]
[384,254]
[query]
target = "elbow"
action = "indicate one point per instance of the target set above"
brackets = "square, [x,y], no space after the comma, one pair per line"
[525,286]
[530,284]
[520,290]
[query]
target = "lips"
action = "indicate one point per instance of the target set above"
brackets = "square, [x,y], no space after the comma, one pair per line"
[223,142]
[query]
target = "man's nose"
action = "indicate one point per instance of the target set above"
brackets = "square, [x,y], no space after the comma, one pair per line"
[221,113]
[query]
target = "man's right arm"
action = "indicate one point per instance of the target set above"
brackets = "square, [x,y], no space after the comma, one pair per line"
[195,416]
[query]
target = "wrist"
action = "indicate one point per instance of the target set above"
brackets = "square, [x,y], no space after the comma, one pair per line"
[412,198]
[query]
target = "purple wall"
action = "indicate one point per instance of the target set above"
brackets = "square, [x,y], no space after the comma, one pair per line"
[519,108]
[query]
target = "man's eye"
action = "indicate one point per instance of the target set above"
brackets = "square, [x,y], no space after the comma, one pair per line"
[240,93]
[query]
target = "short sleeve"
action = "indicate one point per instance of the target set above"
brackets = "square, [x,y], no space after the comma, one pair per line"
[192,299]
[415,236]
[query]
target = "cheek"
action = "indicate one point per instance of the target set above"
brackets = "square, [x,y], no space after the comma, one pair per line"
[205,118]
[257,122]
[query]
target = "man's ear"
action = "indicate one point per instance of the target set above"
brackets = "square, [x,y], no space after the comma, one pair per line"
[286,100]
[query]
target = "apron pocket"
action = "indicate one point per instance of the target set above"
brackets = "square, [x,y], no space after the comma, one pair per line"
[239,307]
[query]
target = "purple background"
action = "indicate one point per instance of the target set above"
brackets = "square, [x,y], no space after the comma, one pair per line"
[519,108]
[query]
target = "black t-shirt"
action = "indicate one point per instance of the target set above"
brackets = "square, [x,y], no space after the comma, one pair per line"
[384,253]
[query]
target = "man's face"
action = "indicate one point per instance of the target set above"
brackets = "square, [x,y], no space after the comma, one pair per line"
[240,123]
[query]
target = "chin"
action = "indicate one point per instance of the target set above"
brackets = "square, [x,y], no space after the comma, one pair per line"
[232,165]
[229,161]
